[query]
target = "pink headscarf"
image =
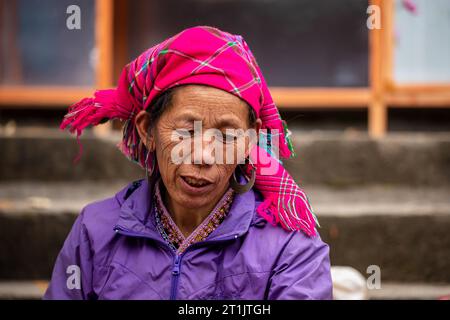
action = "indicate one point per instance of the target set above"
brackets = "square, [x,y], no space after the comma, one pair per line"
[208,56]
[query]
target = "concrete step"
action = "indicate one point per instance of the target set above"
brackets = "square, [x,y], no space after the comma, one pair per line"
[333,159]
[35,218]
[402,230]
[22,290]
[411,291]
[350,159]
[40,154]
[35,289]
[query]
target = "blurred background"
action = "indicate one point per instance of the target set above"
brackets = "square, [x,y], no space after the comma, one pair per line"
[369,109]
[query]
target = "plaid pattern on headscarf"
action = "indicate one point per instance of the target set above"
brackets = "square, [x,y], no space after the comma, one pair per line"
[208,56]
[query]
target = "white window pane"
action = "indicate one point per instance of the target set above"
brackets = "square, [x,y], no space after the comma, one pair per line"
[422,42]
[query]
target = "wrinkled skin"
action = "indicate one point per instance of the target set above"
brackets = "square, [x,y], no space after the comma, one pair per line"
[216,109]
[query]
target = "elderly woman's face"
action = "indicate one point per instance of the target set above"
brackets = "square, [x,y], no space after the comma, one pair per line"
[203,175]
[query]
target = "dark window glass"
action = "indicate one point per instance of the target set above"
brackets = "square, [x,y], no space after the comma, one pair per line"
[37,48]
[296,42]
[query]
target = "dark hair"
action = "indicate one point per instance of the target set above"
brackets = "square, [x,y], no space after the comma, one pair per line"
[165,99]
[160,105]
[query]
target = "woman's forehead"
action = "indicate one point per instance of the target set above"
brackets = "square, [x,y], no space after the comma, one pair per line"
[198,102]
[208,94]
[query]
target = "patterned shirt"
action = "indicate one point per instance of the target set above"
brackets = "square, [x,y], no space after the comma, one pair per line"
[172,234]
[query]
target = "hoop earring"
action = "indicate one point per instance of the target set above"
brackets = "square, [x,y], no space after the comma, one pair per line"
[243,188]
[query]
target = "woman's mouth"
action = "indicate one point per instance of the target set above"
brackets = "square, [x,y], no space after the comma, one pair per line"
[195,182]
[195,185]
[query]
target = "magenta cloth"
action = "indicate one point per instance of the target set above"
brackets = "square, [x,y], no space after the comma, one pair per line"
[208,56]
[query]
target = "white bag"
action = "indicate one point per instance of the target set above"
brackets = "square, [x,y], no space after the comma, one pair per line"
[348,284]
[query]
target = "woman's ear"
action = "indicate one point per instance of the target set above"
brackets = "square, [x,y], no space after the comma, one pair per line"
[142,122]
[257,126]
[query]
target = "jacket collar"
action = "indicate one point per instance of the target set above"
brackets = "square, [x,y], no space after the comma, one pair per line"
[137,218]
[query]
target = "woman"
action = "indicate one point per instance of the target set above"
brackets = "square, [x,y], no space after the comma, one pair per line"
[196,227]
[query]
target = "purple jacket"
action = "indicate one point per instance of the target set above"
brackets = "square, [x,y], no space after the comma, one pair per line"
[114,251]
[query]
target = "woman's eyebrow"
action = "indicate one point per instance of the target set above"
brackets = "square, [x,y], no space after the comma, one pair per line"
[220,122]
[227,121]
[188,116]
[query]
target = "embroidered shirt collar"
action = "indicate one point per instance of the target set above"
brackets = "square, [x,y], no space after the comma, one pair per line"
[173,235]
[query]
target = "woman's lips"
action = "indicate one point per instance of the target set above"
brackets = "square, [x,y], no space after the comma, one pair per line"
[195,186]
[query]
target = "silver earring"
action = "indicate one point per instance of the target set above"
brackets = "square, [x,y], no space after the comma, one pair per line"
[243,188]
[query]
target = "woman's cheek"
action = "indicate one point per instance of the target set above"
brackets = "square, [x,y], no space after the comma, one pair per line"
[164,143]
[226,171]
[164,146]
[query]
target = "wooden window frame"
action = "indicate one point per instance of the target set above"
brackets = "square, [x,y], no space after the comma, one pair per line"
[406,94]
[382,92]
[387,93]
[61,96]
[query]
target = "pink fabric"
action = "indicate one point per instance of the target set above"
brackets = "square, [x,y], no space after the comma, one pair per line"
[410,5]
[208,56]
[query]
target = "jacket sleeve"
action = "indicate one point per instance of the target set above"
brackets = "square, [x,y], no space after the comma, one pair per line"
[72,273]
[302,271]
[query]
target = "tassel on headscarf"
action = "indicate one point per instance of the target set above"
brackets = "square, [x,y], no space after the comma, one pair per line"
[284,202]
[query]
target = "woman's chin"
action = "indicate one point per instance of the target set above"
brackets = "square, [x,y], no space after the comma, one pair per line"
[195,197]
[197,202]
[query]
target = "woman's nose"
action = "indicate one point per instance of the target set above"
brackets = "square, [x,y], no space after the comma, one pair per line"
[204,153]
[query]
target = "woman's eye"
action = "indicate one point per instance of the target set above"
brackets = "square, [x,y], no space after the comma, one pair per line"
[184,133]
[228,138]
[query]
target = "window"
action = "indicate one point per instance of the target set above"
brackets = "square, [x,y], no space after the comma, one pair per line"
[422,42]
[37,47]
[298,43]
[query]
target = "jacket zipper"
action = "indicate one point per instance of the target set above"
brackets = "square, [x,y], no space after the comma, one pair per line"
[175,276]
[177,261]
